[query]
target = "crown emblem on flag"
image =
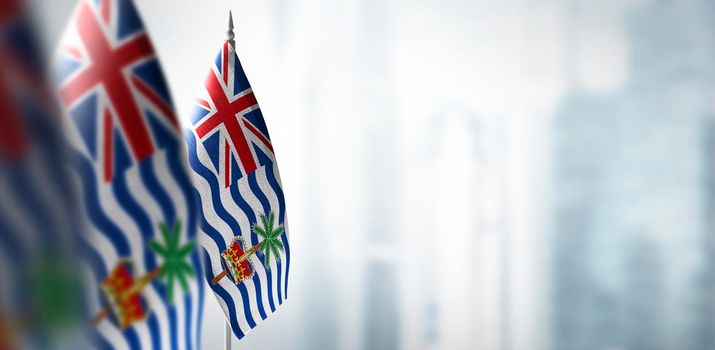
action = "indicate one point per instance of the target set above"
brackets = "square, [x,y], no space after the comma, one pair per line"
[122,295]
[235,259]
[237,262]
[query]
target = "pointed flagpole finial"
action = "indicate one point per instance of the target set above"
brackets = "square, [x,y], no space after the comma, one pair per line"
[231,35]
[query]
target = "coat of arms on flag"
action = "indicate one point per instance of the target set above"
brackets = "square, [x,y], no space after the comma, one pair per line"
[242,209]
[128,158]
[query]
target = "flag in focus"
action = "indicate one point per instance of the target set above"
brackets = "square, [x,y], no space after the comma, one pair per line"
[39,301]
[129,160]
[243,227]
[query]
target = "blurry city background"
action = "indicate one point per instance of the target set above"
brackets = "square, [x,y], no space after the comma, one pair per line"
[482,174]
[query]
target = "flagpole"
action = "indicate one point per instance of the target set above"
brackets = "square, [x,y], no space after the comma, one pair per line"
[231,35]
[227,336]
[232,42]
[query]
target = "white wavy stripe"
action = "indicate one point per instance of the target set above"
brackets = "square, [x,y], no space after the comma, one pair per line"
[25,218]
[221,226]
[18,218]
[174,190]
[224,307]
[49,196]
[209,212]
[141,194]
[112,334]
[92,235]
[262,179]
[212,249]
[245,191]
[195,310]
[90,287]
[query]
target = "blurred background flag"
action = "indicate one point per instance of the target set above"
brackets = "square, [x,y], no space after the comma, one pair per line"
[243,217]
[38,300]
[140,260]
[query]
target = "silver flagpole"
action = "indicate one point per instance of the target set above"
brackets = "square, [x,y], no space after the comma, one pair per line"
[232,42]
[231,35]
[227,337]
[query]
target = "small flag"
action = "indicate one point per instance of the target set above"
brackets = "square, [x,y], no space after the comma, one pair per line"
[244,234]
[129,159]
[38,297]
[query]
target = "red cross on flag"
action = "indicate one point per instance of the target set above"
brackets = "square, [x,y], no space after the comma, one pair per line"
[107,51]
[233,113]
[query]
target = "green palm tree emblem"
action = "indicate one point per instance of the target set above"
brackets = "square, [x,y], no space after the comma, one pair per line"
[271,238]
[175,256]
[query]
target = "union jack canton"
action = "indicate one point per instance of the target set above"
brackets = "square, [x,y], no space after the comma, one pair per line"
[129,159]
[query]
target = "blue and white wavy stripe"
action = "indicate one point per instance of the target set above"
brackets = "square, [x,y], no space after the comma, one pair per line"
[124,218]
[226,213]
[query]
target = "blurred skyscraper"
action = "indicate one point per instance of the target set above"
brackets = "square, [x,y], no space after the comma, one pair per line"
[630,216]
[705,302]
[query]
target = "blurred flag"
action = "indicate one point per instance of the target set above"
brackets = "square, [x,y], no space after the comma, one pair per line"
[243,216]
[38,298]
[140,259]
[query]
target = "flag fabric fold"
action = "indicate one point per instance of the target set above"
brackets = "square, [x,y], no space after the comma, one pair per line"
[242,212]
[141,266]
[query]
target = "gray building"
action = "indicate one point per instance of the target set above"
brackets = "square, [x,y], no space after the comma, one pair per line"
[629,216]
